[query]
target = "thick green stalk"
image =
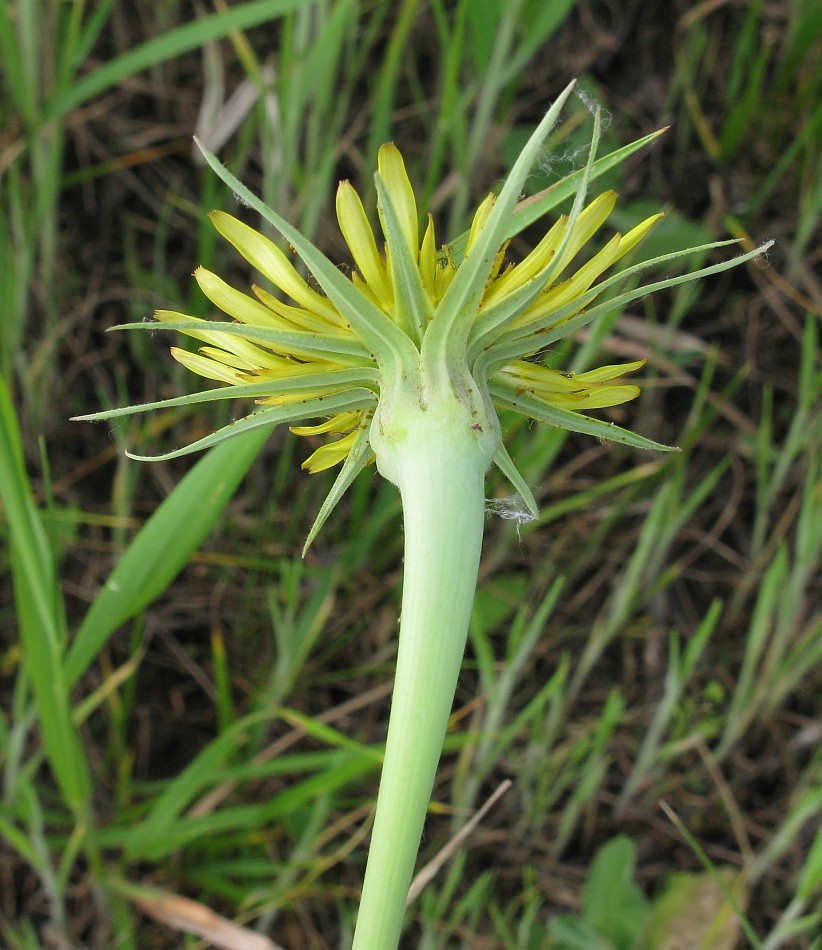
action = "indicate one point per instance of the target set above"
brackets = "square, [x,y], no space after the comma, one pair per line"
[436,460]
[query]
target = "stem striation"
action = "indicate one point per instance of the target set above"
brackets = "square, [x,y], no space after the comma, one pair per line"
[437,461]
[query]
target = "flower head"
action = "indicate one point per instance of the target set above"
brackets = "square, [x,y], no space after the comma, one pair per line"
[416,323]
[295,373]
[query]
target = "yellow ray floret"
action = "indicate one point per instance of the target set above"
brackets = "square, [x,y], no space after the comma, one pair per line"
[594,389]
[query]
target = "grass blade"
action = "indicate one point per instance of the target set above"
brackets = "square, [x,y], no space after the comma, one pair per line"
[166,46]
[40,615]
[164,544]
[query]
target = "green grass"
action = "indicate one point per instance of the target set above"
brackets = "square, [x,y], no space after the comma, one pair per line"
[191,710]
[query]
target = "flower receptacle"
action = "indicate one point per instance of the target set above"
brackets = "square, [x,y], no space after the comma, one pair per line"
[447,421]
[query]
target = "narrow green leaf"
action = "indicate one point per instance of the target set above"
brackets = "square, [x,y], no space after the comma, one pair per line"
[165,828]
[810,880]
[40,615]
[201,773]
[241,819]
[327,734]
[168,45]
[542,21]
[76,53]
[21,843]
[20,90]
[164,545]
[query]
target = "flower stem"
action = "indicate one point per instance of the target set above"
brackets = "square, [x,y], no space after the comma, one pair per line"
[440,471]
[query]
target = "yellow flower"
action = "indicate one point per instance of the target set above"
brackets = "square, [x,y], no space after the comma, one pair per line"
[232,359]
[419,338]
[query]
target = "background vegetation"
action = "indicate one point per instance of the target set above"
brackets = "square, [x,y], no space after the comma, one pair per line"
[644,665]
